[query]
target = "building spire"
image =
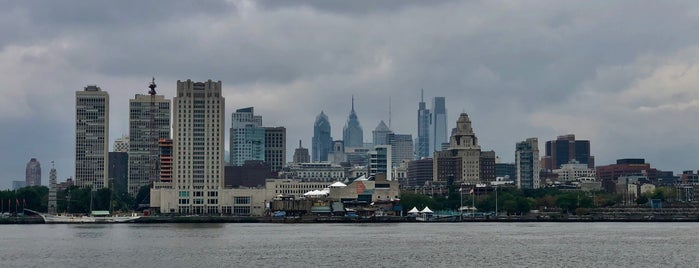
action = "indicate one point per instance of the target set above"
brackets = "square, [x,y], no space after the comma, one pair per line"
[352,103]
[422,95]
[389,112]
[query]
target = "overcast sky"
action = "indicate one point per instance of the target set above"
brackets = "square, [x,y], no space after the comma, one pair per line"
[622,74]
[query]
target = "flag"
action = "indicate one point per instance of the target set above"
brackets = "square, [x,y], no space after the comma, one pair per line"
[24,202]
[471,192]
[16,201]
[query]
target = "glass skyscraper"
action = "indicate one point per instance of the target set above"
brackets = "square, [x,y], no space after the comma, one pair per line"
[423,129]
[322,141]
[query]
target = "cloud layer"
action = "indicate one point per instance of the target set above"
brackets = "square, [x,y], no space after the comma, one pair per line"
[622,74]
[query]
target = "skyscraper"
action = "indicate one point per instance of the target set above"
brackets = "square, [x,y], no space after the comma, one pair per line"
[198,133]
[380,161]
[438,127]
[527,163]
[322,141]
[301,154]
[566,148]
[247,137]
[275,147]
[380,134]
[33,173]
[91,137]
[462,160]
[52,206]
[144,155]
[401,148]
[352,134]
[423,128]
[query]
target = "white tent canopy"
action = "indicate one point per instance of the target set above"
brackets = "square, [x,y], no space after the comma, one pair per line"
[338,184]
[426,210]
[414,210]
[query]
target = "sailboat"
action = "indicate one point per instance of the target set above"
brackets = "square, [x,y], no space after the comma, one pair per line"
[96,216]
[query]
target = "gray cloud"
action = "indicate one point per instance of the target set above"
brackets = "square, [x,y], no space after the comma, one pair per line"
[539,68]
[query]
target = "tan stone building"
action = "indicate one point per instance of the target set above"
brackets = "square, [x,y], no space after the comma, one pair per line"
[462,159]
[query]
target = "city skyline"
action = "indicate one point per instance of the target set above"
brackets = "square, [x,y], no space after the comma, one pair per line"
[542,72]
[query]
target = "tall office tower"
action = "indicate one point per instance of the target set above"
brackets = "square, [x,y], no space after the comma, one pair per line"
[438,127]
[527,162]
[423,128]
[143,143]
[380,134]
[247,137]
[301,154]
[401,148]
[91,137]
[166,162]
[564,149]
[322,141]
[380,161]
[33,173]
[275,147]
[198,142]
[461,162]
[121,145]
[52,190]
[119,170]
[352,134]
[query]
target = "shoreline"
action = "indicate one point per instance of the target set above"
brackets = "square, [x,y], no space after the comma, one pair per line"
[323,219]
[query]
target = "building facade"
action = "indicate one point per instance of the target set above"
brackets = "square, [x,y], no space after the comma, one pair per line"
[147,125]
[275,147]
[438,124]
[198,142]
[401,148]
[420,172]
[247,137]
[565,149]
[33,173]
[527,162]
[119,169]
[121,145]
[380,134]
[322,141]
[352,133]
[301,155]
[423,128]
[461,162]
[91,137]
[380,161]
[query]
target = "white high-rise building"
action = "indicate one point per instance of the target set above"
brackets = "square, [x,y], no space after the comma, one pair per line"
[380,161]
[198,146]
[91,137]
[143,167]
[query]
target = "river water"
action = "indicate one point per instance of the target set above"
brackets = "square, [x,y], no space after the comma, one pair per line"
[352,245]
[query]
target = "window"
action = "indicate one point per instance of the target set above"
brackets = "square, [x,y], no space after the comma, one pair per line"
[240,200]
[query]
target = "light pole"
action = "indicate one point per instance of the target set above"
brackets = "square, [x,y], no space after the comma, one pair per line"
[496,201]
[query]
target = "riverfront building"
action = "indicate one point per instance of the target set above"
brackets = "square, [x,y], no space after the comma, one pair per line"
[247,137]
[33,173]
[565,149]
[461,162]
[527,163]
[147,125]
[91,137]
